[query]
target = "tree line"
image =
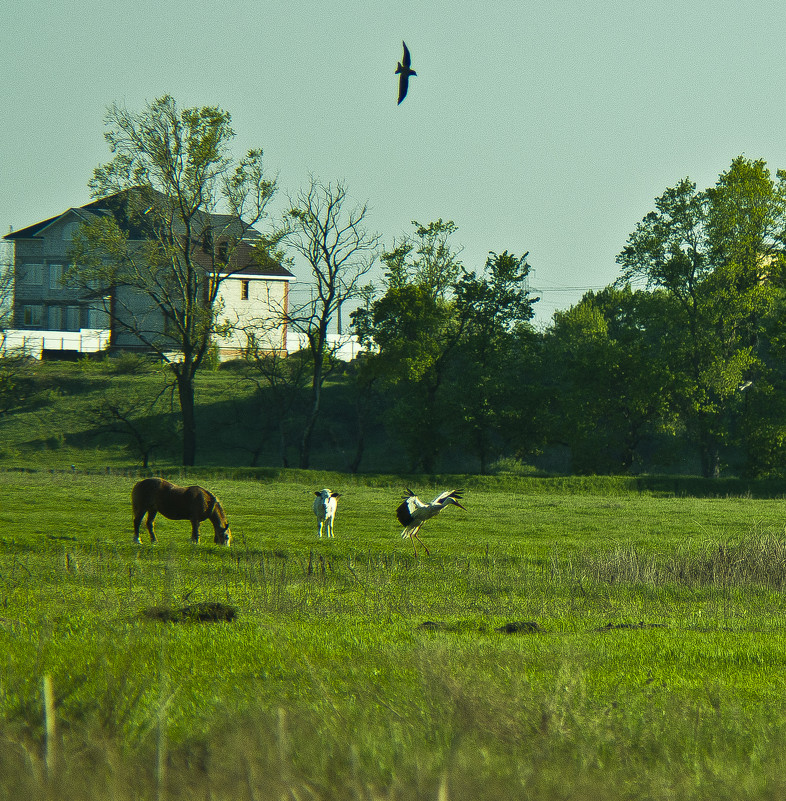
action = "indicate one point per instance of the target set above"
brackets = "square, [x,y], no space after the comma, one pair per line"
[686,348]
[680,362]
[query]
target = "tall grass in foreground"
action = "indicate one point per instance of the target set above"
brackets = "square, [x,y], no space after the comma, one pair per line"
[759,559]
[656,669]
[469,740]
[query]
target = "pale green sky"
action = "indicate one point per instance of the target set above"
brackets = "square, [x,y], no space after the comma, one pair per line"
[547,127]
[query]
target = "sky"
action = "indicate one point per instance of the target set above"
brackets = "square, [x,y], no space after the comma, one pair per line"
[547,128]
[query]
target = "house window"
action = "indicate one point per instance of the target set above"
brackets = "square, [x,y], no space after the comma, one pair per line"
[33,274]
[244,290]
[55,277]
[32,316]
[55,318]
[73,318]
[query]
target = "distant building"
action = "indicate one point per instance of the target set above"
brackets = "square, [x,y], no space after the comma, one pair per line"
[51,318]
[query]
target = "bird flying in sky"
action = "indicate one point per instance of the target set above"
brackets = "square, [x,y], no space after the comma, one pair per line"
[403,71]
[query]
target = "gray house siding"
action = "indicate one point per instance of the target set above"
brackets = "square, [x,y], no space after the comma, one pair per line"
[41,299]
[44,305]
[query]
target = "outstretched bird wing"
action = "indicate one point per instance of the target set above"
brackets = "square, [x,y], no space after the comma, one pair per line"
[403,71]
[454,495]
[406,60]
[406,510]
[403,85]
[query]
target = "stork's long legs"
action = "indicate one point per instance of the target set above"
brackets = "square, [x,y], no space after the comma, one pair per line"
[413,535]
[428,552]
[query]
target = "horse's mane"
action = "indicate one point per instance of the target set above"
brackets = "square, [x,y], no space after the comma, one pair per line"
[215,508]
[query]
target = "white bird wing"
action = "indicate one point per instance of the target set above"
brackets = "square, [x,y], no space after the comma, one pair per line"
[446,494]
[408,509]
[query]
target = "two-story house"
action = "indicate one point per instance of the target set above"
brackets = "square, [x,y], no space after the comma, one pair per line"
[53,317]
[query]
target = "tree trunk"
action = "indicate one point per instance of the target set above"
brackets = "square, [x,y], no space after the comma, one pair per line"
[710,463]
[308,431]
[710,456]
[185,391]
[360,448]
[282,444]
[318,377]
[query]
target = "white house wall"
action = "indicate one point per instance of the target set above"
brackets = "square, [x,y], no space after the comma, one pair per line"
[259,315]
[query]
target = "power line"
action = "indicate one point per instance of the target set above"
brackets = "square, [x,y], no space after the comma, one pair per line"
[567,288]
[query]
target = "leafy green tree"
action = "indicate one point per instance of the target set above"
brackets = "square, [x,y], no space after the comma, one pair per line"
[412,331]
[426,258]
[609,379]
[745,222]
[716,254]
[746,235]
[668,250]
[413,334]
[171,171]
[493,310]
[759,419]
[576,365]
[745,229]
[447,343]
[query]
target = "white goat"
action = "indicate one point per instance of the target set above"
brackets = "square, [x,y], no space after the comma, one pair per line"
[325,510]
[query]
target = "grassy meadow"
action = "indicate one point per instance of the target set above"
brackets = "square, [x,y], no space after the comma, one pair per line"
[652,663]
[69,421]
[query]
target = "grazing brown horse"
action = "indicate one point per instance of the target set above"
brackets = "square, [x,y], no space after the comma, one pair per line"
[153,495]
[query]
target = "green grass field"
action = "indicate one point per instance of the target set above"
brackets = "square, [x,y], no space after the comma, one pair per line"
[63,423]
[656,667]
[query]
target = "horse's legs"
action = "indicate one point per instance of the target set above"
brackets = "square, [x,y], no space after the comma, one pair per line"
[151,516]
[194,531]
[137,524]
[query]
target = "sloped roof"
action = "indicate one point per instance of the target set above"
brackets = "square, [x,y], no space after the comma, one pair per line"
[37,228]
[245,259]
[120,205]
